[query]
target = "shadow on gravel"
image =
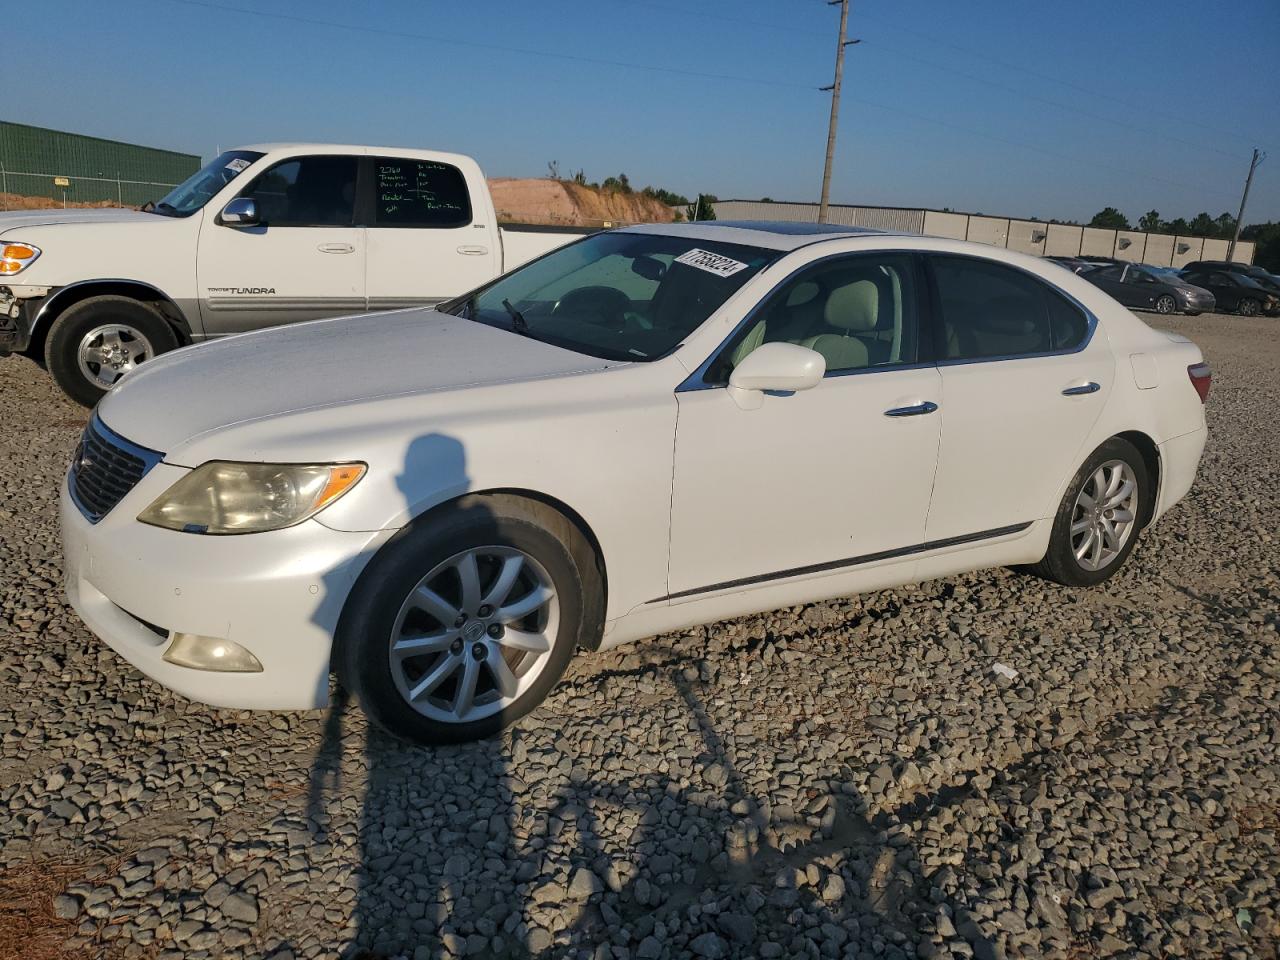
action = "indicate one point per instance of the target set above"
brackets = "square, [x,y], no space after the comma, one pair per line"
[457,856]
[436,872]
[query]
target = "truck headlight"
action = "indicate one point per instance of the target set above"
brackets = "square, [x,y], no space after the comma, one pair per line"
[16,257]
[221,497]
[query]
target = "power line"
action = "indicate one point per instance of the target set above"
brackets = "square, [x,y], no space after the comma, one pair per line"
[479,45]
[974,52]
[1127,124]
[969,131]
[904,53]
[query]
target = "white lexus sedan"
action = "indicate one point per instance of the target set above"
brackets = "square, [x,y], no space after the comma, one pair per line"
[648,429]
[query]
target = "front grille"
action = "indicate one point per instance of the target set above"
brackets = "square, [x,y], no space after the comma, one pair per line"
[106,467]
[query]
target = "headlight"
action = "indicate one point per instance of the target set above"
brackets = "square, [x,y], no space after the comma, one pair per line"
[221,497]
[16,257]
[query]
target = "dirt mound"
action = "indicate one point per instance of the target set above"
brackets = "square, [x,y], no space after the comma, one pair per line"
[563,203]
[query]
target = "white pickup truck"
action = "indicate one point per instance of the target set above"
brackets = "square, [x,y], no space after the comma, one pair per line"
[261,236]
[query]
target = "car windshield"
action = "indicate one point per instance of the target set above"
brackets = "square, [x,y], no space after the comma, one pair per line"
[618,296]
[1246,281]
[199,188]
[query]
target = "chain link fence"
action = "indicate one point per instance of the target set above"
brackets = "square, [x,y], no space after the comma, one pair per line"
[22,190]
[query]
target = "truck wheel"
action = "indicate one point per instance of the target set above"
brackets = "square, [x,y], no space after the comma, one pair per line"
[97,341]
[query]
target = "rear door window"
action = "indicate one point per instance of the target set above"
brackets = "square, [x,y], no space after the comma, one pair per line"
[419,193]
[990,311]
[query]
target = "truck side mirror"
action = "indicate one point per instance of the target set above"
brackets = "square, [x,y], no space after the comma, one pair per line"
[240,212]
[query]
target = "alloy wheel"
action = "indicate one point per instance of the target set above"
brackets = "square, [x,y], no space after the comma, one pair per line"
[1248,308]
[1104,515]
[1166,304]
[474,634]
[108,352]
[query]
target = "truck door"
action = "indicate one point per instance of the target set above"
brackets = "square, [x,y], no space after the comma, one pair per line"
[423,239]
[304,258]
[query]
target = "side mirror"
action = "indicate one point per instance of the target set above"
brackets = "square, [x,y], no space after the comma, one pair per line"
[240,212]
[780,367]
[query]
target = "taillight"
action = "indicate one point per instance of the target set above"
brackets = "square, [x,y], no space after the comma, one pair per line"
[1201,376]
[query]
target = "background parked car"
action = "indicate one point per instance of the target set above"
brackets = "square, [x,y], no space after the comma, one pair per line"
[1252,271]
[1135,285]
[1235,291]
[1074,264]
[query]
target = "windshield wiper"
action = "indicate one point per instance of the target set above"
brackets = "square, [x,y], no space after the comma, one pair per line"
[517,318]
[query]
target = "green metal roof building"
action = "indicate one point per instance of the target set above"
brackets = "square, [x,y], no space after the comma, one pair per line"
[35,162]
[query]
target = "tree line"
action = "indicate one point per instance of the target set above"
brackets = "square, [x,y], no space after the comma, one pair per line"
[1222,226]
[1266,236]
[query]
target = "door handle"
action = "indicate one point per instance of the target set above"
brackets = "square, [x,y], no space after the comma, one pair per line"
[915,410]
[473,250]
[1081,389]
[336,248]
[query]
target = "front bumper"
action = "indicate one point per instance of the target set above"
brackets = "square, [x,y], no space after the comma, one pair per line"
[18,308]
[1199,302]
[278,594]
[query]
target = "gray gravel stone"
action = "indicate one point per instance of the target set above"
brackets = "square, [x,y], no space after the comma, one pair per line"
[839,779]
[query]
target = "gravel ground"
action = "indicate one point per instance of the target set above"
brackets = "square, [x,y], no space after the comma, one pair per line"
[847,779]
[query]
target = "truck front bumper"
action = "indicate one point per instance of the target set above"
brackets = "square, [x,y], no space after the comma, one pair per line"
[18,308]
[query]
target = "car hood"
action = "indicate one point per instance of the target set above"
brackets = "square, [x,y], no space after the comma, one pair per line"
[1187,287]
[22,219]
[268,374]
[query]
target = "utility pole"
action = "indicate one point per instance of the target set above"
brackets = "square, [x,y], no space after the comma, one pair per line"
[835,105]
[1253,165]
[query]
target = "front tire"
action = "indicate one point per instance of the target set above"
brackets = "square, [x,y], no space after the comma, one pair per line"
[464,622]
[1166,304]
[97,341]
[1097,523]
[1248,307]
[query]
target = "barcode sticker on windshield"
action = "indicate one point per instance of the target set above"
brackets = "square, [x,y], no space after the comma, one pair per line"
[237,164]
[710,262]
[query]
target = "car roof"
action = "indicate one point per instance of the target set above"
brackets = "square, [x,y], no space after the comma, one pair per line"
[773,235]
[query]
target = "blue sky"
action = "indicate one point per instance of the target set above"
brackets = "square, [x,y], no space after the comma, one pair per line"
[1002,107]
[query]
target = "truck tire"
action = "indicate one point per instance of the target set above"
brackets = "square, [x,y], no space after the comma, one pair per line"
[97,341]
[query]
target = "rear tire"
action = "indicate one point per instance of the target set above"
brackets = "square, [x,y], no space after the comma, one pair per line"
[1091,537]
[1248,307]
[97,341]
[453,690]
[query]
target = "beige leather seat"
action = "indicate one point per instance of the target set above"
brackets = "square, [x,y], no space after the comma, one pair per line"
[853,309]
[778,320]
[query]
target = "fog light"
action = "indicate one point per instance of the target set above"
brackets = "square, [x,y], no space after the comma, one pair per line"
[211,653]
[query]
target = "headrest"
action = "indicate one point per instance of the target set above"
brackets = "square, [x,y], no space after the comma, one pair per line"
[854,306]
[1006,316]
[801,294]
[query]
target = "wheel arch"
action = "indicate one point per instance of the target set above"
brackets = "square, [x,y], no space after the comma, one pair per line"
[66,297]
[583,541]
[1150,452]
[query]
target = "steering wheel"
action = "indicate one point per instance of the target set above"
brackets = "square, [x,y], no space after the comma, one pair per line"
[603,306]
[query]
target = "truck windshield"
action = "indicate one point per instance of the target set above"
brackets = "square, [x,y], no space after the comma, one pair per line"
[618,296]
[199,188]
